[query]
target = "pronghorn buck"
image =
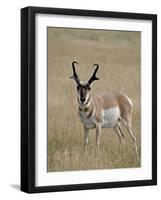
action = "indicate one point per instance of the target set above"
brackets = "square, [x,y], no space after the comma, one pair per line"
[102,111]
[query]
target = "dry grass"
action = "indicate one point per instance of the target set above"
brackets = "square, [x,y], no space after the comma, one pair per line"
[118,54]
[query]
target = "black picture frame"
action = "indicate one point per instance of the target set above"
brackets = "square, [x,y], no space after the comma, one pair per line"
[28,98]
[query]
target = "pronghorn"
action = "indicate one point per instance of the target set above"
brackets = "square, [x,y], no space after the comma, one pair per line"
[102,111]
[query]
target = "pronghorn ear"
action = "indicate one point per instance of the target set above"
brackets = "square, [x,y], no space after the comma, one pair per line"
[71,77]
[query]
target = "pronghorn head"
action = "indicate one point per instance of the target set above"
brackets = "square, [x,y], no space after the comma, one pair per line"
[83,87]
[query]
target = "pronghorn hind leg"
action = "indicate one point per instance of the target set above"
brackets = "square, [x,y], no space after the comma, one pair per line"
[133,136]
[117,131]
[122,133]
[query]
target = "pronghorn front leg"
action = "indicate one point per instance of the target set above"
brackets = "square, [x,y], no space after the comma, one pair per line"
[98,132]
[86,131]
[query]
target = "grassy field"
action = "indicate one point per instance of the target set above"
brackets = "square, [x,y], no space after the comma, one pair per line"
[118,54]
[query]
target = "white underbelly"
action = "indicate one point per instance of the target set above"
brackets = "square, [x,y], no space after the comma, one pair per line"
[110,117]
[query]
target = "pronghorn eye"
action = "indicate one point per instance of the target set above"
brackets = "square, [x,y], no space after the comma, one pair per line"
[88,87]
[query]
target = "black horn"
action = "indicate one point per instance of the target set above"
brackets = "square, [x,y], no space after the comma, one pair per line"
[75,76]
[93,77]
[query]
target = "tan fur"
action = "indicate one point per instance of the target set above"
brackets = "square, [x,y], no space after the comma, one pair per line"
[102,111]
[100,103]
[111,100]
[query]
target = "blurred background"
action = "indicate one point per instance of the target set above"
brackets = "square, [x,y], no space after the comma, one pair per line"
[119,55]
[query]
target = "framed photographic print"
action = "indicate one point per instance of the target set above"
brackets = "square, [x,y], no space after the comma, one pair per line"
[88,99]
